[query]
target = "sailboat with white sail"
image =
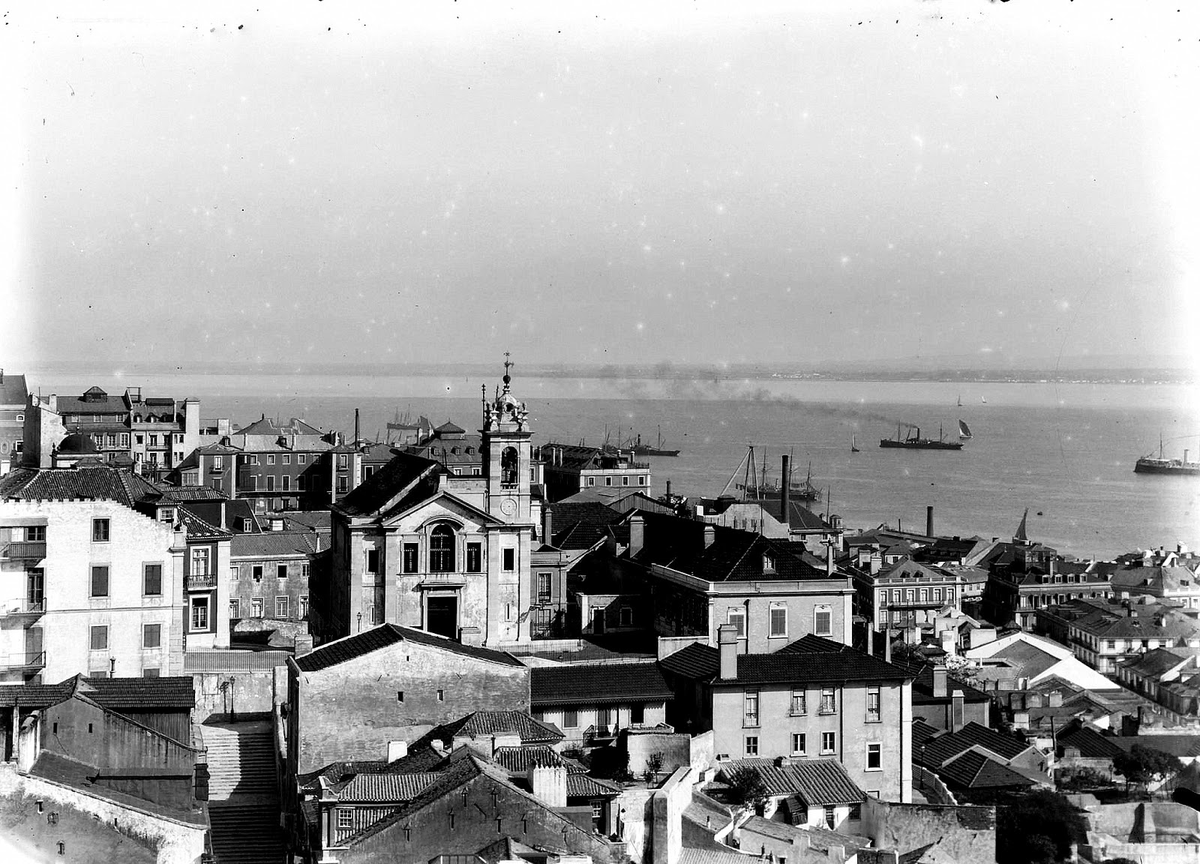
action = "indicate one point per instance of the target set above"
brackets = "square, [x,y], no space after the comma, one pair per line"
[964,431]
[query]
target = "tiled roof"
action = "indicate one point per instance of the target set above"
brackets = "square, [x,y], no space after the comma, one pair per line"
[308,520]
[403,473]
[267,426]
[234,514]
[581,525]
[697,661]
[385,788]
[922,732]
[519,759]
[481,723]
[199,529]
[733,556]
[1154,663]
[272,544]
[339,772]
[922,690]
[233,661]
[116,694]
[599,683]
[973,770]
[13,390]
[63,484]
[800,518]
[361,644]
[1089,743]
[583,786]
[814,659]
[941,750]
[814,781]
[175,494]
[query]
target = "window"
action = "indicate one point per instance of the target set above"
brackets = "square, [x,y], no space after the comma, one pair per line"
[410,557]
[778,621]
[828,742]
[591,481]
[474,557]
[100,581]
[799,744]
[624,481]
[509,560]
[270,458]
[35,534]
[345,818]
[235,608]
[823,620]
[166,514]
[570,719]
[543,588]
[281,606]
[300,483]
[151,673]
[287,458]
[200,561]
[626,616]
[281,571]
[874,757]
[751,745]
[111,439]
[304,570]
[937,593]
[152,580]
[200,614]
[750,705]
[441,549]
[138,438]
[641,479]
[799,701]
[828,700]
[831,816]
[873,706]
[300,458]
[637,712]
[287,483]
[303,606]
[233,573]
[152,636]
[270,482]
[99,638]
[372,560]
[737,617]
[607,481]
[256,570]
[341,460]
[508,467]
[153,442]
[768,564]
[343,485]
[256,607]
[100,531]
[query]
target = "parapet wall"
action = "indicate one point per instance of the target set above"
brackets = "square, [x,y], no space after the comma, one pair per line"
[962,833]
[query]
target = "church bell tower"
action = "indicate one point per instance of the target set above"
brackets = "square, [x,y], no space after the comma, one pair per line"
[506,449]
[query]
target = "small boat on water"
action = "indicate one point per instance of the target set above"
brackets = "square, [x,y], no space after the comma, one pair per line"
[960,400]
[964,431]
[853,444]
[1150,464]
[914,441]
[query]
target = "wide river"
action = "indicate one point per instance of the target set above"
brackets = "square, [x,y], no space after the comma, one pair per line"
[1064,451]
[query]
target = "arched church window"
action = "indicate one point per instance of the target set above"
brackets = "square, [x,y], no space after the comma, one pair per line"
[508,466]
[441,549]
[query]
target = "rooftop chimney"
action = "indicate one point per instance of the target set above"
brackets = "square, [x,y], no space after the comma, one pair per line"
[939,682]
[547,524]
[355,427]
[785,490]
[710,536]
[956,711]
[637,534]
[929,521]
[727,642]
[548,783]
[829,559]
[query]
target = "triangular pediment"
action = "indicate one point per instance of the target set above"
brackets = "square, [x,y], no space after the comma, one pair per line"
[440,500]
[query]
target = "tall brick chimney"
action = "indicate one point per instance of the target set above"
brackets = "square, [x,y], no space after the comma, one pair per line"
[637,533]
[727,643]
[785,491]
[929,521]
[547,525]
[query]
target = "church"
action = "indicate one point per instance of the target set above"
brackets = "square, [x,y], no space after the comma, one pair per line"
[419,546]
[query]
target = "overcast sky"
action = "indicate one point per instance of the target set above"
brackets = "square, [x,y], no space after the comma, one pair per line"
[692,182]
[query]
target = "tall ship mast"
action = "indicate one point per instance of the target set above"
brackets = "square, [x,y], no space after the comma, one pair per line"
[640,449]
[1151,464]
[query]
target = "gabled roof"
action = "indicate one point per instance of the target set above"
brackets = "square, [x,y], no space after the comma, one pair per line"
[697,661]
[385,788]
[13,390]
[1089,742]
[479,724]
[974,770]
[733,555]
[585,786]
[64,484]
[518,760]
[268,426]
[942,749]
[1156,663]
[813,659]
[598,684]
[177,494]
[922,733]
[815,781]
[272,544]
[800,518]
[385,635]
[402,476]
[117,694]
[234,513]
[581,525]
[197,528]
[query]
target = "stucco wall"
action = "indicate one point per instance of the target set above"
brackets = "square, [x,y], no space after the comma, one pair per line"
[352,710]
[962,833]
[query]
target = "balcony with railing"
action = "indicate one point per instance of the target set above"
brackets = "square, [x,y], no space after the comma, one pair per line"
[30,610]
[202,582]
[26,661]
[23,550]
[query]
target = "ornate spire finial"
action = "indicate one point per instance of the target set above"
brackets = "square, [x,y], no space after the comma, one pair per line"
[507,379]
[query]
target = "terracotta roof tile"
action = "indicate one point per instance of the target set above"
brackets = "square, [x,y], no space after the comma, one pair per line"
[361,644]
[597,683]
[814,781]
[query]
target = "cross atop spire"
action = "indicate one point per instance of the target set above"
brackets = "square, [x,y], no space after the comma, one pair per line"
[507,365]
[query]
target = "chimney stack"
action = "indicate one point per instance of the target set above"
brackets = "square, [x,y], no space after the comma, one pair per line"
[637,533]
[887,645]
[396,750]
[939,682]
[355,427]
[710,536]
[727,642]
[547,525]
[929,521]
[785,490]
[829,559]
[957,720]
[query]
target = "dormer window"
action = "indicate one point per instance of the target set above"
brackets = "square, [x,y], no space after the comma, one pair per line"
[768,563]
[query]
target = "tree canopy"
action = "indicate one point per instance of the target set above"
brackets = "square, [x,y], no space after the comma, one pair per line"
[1143,764]
[1038,828]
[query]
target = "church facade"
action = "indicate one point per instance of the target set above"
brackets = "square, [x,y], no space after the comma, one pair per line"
[418,546]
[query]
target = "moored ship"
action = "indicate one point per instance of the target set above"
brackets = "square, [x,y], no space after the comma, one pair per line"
[914,441]
[1150,464]
[640,449]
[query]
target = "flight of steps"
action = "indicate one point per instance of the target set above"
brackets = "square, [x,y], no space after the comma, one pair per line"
[243,808]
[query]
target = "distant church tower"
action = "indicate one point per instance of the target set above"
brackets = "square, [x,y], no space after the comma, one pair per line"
[506,460]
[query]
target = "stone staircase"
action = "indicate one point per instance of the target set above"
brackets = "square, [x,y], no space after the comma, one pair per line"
[243,808]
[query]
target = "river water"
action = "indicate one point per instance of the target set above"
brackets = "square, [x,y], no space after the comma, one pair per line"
[1064,451]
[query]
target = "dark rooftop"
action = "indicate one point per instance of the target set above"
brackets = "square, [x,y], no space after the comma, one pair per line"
[361,644]
[582,684]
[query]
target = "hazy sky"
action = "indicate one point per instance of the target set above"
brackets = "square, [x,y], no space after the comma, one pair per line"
[633,182]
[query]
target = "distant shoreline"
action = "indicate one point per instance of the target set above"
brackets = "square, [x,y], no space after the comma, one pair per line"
[661,371]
